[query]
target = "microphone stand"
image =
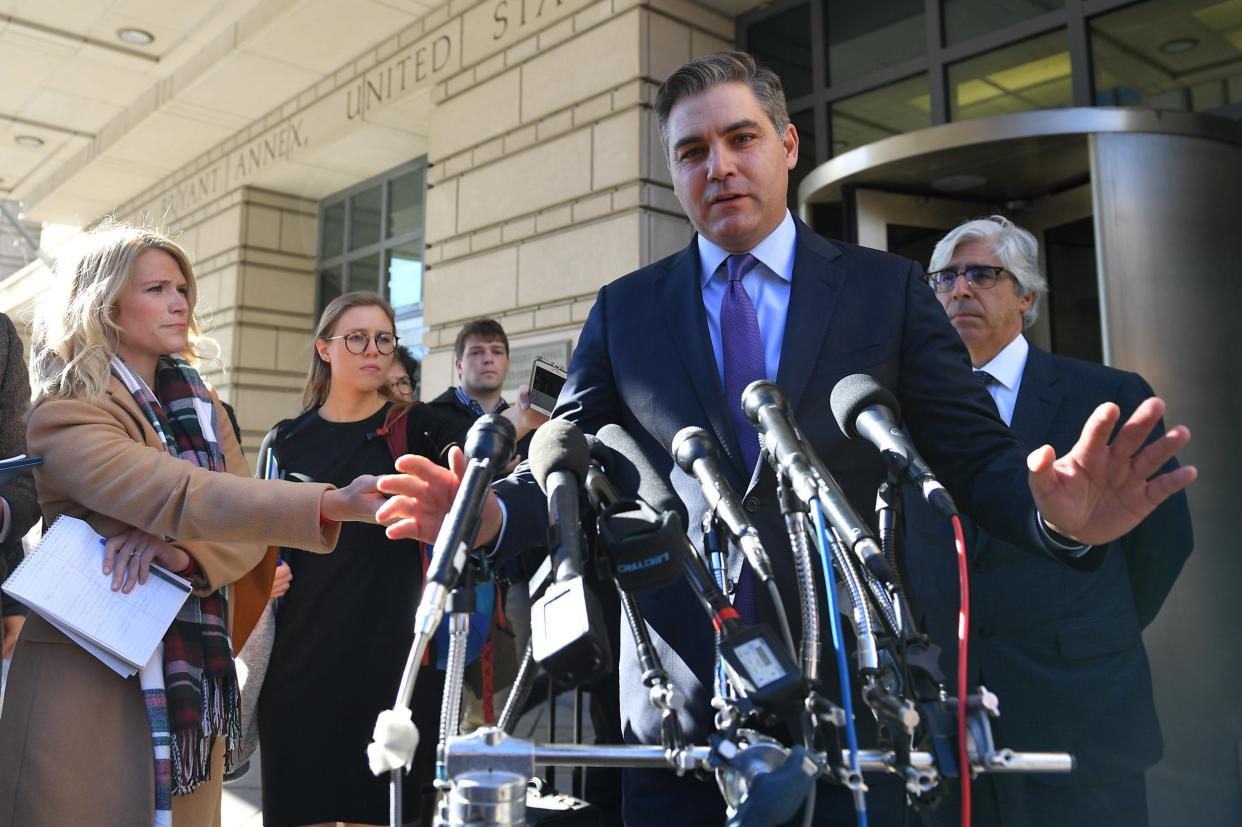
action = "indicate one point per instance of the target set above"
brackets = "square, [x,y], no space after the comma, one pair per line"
[660,690]
[795,513]
[522,684]
[460,605]
[714,546]
[830,550]
[663,695]
[888,509]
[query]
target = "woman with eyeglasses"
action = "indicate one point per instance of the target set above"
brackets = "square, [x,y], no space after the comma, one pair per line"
[344,628]
[139,447]
[403,375]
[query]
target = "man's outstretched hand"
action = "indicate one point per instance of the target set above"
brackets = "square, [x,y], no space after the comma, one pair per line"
[1099,491]
[421,495]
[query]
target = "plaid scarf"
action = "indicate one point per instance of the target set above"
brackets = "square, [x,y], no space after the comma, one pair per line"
[193,698]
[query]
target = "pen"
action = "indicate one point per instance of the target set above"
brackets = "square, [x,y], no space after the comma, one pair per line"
[163,574]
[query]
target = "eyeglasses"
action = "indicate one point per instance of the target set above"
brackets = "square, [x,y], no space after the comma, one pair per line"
[358,341]
[403,384]
[980,277]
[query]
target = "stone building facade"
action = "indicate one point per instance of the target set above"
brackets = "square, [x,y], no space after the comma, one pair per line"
[545,180]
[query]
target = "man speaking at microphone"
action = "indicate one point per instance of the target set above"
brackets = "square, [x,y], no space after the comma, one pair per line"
[758,295]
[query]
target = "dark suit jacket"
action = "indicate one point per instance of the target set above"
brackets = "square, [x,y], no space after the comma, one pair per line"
[1061,648]
[644,361]
[445,421]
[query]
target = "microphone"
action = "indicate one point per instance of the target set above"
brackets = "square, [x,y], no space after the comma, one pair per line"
[643,547]
[695,452]
[631,470]
[644,533]
[489,447]
[651,528]
[864,408]
[767,407]
[559,458]
[568,636]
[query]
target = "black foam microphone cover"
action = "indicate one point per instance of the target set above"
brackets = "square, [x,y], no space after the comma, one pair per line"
[853,395]
[558,445]
[634,475]
[491,437]
[600,453]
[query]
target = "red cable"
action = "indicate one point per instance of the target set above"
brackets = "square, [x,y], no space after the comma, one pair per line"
[487,667]
[718,619]
[963,635]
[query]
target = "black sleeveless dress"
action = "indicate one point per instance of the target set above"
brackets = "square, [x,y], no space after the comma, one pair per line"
[343,632]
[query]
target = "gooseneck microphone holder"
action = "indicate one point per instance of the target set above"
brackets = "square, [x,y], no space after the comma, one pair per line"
[664,696]
[489,447]
[695,452]
[763,782]
[795,514]
[714,546]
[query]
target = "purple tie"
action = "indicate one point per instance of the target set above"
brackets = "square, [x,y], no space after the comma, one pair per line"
[743,363]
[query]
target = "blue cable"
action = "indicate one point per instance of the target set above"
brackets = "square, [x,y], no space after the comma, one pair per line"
[830,585]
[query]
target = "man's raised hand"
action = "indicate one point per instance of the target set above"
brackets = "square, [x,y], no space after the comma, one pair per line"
[1099,491]
[421,494]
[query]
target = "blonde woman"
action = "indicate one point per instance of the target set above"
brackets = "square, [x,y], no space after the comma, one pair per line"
[344,628]
[134,446]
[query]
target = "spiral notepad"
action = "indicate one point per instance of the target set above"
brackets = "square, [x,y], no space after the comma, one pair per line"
[63,581]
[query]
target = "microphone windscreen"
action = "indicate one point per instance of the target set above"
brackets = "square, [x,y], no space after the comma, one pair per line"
[853,395]
[601,454]
[634,475]
[492,438]
[558,445]
[691,444]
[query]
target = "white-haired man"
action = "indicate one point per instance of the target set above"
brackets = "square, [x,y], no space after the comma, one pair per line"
[1062,648]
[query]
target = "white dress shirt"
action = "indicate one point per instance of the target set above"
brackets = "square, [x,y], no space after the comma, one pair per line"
[1006,368]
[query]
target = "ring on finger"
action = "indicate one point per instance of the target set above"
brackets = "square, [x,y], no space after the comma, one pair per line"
[135,553]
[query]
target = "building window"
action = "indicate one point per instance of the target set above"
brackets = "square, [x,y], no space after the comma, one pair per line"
[862,38]
[782,43]
[371,237]
[1033,74]
[966,19]
[858,72]
[1169,54]
[890,110]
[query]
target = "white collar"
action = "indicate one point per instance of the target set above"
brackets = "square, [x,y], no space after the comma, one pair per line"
[1006,367]
[776,252]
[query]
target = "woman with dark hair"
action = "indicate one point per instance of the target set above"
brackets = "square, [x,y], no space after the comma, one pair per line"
[135,446]
[343,630]
[403,375]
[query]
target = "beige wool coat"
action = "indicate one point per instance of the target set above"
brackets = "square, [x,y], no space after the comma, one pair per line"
[75,744]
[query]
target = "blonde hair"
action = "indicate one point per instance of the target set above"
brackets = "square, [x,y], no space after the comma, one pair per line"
[75,334]
[319,377]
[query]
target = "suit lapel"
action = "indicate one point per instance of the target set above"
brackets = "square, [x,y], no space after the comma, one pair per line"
[1034,413]
[681,302]
[817,283]
[1039,397]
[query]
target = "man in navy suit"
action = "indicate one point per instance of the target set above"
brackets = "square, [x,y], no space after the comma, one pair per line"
[1062,648]
[757,294]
